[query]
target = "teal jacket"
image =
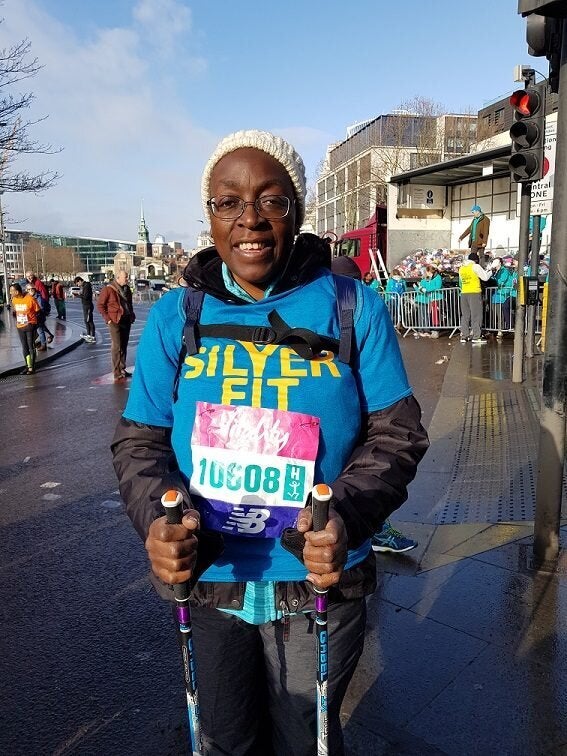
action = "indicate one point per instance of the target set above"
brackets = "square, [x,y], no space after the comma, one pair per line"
[429,290]
[395,287]
[505,280]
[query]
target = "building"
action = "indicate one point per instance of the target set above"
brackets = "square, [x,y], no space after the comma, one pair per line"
[430,207]
[45,252]
[356,171]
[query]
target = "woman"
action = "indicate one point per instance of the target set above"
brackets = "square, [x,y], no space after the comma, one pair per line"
[26,310]
[501,298]
[429,299]
[241,404]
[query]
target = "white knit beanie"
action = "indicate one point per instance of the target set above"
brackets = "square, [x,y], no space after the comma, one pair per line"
[273,145]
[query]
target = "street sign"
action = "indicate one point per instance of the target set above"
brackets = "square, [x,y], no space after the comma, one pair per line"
[542,190]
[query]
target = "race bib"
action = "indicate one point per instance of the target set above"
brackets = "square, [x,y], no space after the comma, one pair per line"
[21,319]
[253,468]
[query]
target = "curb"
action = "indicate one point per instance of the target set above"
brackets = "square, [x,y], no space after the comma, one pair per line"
[52,355]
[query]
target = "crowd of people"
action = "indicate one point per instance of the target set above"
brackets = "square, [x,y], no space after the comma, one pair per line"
[31,305]
[424,311]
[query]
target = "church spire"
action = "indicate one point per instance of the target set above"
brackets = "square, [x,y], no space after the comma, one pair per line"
[143,233]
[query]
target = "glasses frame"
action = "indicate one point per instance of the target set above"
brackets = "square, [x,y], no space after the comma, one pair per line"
[243,205]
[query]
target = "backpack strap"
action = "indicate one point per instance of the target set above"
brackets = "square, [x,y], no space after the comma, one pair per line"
[345,289]
[192,305]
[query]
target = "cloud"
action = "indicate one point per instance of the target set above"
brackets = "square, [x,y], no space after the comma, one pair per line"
[115,110]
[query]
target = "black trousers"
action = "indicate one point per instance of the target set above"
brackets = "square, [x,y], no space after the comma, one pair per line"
[27,338]
[257,690]
[88,316]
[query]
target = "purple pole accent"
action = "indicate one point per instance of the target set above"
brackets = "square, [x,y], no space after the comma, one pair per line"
[183,614]
[321,603]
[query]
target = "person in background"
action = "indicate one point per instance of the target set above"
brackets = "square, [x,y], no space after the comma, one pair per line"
[253,581]
[477,231]
[429,298]
[44,335]
[369,279]
[115,305]
[26,309]
[86,296]
[58,294]
[470,276]
[40,287]
[395,287]
[501,298]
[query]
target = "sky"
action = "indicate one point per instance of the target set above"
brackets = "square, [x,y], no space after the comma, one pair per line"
[138,92]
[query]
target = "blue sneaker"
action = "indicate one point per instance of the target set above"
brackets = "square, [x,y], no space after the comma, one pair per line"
[390,539]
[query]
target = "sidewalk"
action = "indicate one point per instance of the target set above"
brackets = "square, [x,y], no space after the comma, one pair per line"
[466,648]
[67,336]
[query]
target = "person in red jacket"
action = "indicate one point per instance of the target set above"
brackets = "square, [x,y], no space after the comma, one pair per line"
[115,305]
[26,310]
[58,294]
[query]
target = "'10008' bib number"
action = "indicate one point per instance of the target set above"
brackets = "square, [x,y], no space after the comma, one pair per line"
[252,467]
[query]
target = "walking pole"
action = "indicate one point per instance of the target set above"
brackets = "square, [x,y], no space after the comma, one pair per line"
[320,497]
[172,502]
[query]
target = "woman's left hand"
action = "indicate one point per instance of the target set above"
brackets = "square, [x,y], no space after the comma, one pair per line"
[325,551]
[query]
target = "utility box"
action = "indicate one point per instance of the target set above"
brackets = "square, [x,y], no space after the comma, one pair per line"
[529,291]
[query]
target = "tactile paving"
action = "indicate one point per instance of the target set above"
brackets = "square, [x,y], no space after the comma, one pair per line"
[494,478]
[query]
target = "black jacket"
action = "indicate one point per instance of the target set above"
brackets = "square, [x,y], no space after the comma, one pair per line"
[372,485]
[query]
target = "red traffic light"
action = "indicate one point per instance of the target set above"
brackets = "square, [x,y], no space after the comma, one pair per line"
[526,102]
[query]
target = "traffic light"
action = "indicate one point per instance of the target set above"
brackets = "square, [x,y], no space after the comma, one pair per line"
[528,133]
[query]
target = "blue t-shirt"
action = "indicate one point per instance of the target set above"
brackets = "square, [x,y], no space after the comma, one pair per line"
[228,372]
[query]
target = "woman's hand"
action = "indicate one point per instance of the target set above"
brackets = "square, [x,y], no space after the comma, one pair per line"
[325,552]
[172,549]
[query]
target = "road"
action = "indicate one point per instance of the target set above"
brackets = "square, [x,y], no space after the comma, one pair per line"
[88,657]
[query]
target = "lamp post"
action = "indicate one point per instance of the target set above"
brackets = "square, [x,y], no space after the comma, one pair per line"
[4,263]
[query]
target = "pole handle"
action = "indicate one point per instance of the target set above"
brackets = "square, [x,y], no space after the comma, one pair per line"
[320,498]
[172,502]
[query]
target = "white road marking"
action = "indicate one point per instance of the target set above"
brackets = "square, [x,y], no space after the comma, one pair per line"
[27,459]
[23,406]
[50,484]
[51,497]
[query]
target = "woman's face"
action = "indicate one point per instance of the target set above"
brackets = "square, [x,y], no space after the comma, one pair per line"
[254,249]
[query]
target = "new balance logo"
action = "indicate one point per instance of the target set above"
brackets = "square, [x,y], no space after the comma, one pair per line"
[250,522]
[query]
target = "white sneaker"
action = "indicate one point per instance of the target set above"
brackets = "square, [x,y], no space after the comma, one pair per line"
[463,340]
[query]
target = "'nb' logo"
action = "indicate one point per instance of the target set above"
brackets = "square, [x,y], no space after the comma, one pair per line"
[252,521]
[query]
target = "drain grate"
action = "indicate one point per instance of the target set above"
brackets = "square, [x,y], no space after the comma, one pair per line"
[494,478]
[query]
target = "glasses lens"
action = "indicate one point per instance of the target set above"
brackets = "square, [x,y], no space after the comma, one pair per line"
[227,207]
[272,207]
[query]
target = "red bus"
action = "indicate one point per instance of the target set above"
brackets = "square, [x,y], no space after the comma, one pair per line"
[357,243]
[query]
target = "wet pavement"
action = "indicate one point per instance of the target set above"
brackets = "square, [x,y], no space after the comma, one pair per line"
[466,646]
[66,336]
[465,651]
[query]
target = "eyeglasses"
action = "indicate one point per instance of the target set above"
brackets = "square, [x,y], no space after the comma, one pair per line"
[271,207]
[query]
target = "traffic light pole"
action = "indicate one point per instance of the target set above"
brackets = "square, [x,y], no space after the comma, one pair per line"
[523,243]
[552,422]
[534,270]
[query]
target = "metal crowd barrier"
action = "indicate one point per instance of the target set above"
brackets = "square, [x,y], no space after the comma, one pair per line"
[411,316]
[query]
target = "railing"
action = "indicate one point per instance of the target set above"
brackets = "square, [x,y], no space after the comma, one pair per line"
[411,314]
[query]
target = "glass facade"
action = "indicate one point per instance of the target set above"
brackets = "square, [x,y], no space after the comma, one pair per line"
[94,254]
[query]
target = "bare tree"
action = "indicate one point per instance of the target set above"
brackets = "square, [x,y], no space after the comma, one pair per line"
[16,65]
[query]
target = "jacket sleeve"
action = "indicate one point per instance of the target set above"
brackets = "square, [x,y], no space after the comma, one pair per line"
[375,479]
[102,304]
[466,232]
[146,468]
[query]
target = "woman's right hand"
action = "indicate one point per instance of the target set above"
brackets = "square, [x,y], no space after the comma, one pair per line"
[172,549]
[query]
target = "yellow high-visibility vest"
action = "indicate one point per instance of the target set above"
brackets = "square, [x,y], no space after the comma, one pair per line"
[468,280]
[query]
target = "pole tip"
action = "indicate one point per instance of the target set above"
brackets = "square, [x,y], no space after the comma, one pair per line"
[171,498]
[322,492]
